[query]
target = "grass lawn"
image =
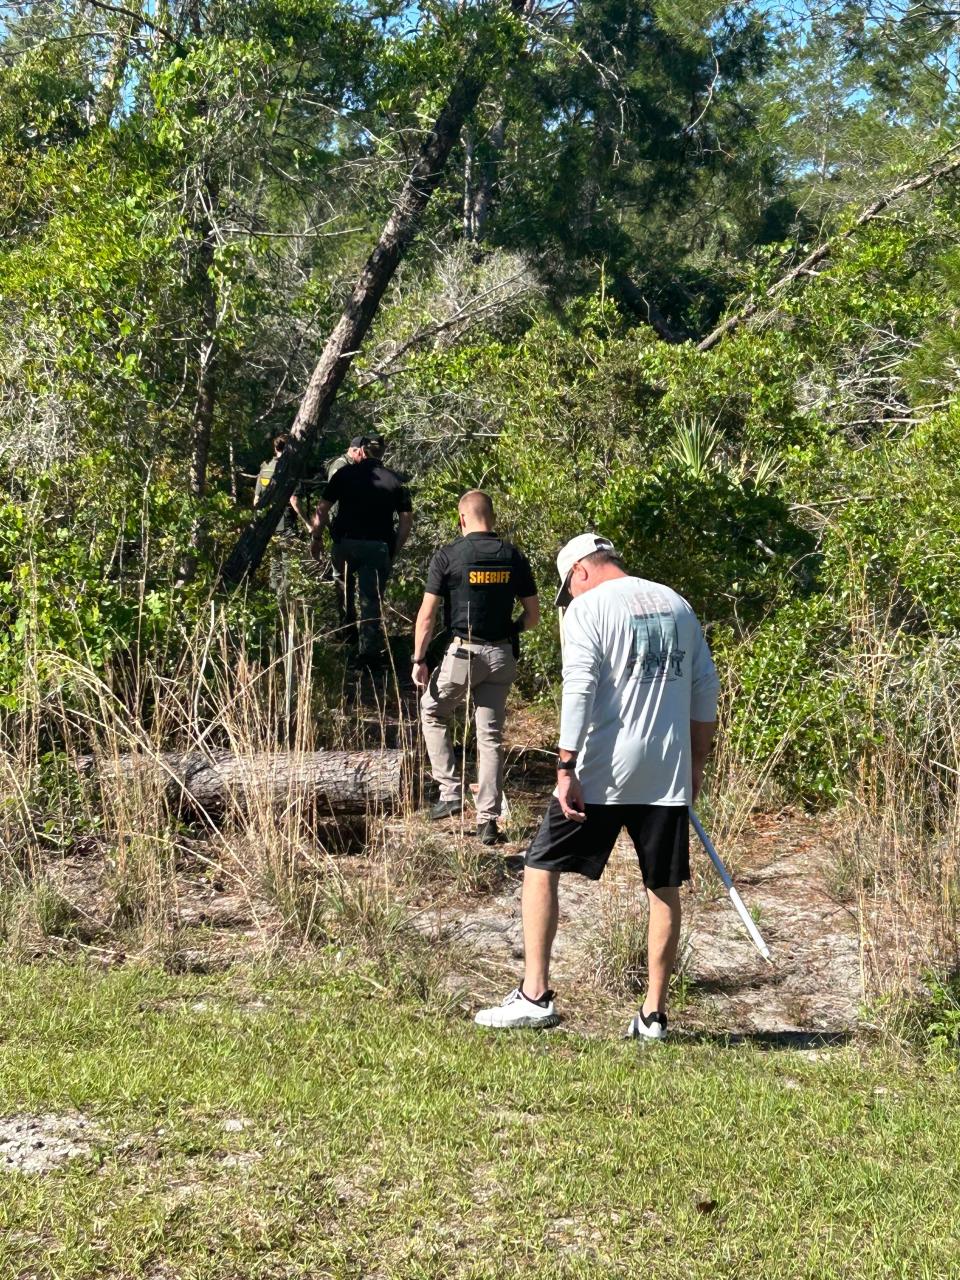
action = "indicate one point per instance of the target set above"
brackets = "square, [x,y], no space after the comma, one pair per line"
[294,1122]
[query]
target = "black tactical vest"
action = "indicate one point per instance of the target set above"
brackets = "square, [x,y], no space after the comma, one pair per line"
[482,588]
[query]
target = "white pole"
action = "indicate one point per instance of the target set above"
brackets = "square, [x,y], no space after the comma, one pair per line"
[288,674]
[735,898]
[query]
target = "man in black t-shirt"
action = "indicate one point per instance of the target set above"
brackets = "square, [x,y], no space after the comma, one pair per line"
[365,541]
[478,578]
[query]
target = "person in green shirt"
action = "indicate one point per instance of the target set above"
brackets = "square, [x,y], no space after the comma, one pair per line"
[287,527]
[354,452]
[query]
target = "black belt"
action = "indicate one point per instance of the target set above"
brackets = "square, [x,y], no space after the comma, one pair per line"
[475,639]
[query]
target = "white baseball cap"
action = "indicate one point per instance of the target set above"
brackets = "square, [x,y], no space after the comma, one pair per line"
[578,548]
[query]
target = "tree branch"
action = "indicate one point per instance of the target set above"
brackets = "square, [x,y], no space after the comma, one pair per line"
[633,297]
[948,163]
[139,18]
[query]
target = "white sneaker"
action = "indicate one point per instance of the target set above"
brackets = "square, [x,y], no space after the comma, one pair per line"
[518,1011]
[647,1026]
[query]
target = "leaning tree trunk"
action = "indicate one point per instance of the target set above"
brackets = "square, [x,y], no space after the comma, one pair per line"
[633,297]
[359,312]
[336,784]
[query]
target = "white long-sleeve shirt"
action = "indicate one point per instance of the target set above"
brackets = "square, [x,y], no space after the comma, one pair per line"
[636,671]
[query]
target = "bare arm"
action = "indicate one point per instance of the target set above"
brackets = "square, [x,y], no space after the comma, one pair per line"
[701,740]
[404,525]
[297,505]
[530,617]
[422,631]
[569,790]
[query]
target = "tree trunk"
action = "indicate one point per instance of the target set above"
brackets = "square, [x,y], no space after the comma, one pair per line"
[633,297]
[481,194]
[108,94]
[468,187]
[335,783]
[359,312]
[205,399]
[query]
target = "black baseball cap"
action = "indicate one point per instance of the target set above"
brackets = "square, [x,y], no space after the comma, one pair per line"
[359,442]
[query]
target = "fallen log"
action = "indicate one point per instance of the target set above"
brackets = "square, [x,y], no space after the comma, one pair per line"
[335,783]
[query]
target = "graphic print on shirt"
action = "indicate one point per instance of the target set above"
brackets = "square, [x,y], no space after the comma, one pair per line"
[656,641]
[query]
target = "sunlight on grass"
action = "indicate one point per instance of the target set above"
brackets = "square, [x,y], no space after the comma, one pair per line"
[289,1123]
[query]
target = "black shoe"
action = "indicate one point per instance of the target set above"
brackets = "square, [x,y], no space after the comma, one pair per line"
[446,809]
[488,832]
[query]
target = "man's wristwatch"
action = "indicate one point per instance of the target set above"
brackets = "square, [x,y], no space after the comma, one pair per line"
[416,661]
[566,766]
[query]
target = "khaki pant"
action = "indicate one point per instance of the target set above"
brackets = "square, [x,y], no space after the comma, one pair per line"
[484,673]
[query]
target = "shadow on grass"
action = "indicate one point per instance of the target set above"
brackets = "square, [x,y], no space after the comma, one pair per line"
[800,1040]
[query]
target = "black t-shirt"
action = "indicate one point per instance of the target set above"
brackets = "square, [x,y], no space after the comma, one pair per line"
[479,577]
[367,495]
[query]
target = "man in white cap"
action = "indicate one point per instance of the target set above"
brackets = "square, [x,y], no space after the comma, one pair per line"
[636,725]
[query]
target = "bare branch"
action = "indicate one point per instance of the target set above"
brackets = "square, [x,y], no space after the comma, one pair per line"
[140,18]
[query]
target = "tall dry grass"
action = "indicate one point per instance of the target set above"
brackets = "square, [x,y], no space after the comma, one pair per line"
[74,808]
[64,796]
[895,755]
[901,821]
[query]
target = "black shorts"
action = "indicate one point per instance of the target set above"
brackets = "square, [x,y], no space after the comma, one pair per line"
[660,835]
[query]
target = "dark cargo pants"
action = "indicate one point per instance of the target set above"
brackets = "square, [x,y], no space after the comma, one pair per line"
[366,563]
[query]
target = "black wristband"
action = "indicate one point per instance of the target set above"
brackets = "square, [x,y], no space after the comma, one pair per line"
[416,661]
[566,766]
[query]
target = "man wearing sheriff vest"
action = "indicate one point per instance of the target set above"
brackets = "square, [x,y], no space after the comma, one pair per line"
[477,578]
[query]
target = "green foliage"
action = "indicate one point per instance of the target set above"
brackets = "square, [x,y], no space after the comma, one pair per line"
[791,703]
[88,563]
[943,1028]
[937,1016]
[727,546]
[172,207]
[894,534]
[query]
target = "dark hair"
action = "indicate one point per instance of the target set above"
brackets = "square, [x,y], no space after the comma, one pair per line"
[280,443]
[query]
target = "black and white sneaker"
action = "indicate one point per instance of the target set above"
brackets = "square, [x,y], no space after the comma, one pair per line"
[647,1026]
[519,1010]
